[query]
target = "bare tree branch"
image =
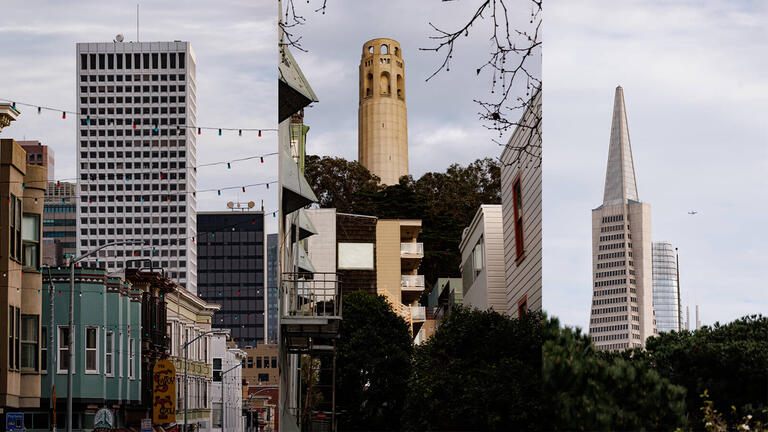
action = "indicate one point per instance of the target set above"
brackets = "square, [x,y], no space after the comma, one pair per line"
[510,63]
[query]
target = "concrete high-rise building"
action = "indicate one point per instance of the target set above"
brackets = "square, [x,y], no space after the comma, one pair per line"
[622,297]
[39,154]
[382,125]
[136,154]
[666,288]
[232,272]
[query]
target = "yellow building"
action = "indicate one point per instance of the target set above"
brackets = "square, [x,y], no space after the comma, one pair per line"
[22,187]
[382,117]
[398,257]
[261,365]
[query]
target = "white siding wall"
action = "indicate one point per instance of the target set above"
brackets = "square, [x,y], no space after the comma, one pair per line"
[523,279]
[488,290]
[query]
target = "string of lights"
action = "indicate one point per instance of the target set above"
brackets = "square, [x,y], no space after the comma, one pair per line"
[88,119]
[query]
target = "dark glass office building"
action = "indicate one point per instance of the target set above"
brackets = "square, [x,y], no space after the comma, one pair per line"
[232,271]
[272,288]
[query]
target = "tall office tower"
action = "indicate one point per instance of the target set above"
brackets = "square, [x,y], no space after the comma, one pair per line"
[232,272]
[272,289]
[136,155]
[39,154]
[59,223]
[666,288]
[382,127]
[622,301]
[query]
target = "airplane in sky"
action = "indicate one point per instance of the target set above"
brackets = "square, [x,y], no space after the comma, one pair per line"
[692,212]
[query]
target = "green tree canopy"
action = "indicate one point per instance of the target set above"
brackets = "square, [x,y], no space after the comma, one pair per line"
[479,371]
[587,389]
[373,364]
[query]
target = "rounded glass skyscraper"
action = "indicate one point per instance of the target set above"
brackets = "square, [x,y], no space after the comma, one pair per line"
[666,302]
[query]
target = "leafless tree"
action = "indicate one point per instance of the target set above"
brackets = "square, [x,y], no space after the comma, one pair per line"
[511,64]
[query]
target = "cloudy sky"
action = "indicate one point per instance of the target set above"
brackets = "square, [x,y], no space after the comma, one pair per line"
[696,94]
[443,126]
[235,42]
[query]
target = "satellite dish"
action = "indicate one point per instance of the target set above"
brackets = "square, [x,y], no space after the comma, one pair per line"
[251,204]
[119,38]
[230,205]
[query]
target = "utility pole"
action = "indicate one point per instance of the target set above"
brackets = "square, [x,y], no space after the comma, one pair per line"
[51,356]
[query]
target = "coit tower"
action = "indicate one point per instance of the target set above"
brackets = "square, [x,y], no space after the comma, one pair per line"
[382,125]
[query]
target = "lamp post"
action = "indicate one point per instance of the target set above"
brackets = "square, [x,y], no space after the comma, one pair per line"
[223,416]
[71,366]
[51,357]
[186,377]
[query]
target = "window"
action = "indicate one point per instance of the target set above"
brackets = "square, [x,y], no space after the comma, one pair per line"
[217,369]
[266,362]
[263,377]
[31,239]
[131,356]
[44,349]
[120,355]
[250,362]
[91,343]
[109,356]
[15,227]
[11,343]
[517,202]
[63,349]
[274,362]
[29,342]
[477,256]
[258,362]
[522,306]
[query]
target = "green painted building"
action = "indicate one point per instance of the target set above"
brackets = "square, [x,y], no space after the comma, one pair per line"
[107,367]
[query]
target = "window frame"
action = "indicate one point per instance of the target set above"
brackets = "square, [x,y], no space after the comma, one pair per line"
[60,349]
[518,220]
[109,353]
[34,342]
[131,358]
[44,349]
[36,243]
[94,349]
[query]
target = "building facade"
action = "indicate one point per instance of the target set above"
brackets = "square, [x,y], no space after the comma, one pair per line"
[39,154]
[22,186]
[137,153]
[666,289]
[261,365]
[231,253]
[272,291]
[227,387]
[189,324]
[59,223]
[482,258]
[622,293]
[382,116]
[521,212]
[108,334]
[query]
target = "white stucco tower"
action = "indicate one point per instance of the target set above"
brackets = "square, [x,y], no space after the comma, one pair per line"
[622,297]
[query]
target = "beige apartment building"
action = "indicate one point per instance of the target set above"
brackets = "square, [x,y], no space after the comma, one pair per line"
[521,208]
[382,116]
[22,186]
[622,293]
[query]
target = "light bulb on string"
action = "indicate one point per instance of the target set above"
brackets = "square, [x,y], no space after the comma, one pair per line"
[39,110]
[259,133]
[243,188]
[219,191]
[88,120]
[240,132]
[63,115]
[199,131]
[229,165]
[262,159]
[219,132]
[134,126]
[13,105]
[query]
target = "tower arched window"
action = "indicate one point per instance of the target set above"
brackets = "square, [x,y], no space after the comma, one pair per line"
[370,49]
[397,52]
[369,85]
[384,49]
[400,87]
[385,84]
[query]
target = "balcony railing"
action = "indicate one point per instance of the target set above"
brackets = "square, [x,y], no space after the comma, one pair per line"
[413,281]
[411,249]
[418,313]
[311,294]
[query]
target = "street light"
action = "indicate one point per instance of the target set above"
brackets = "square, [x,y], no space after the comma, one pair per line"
[223,422]
[186,376]
[71,366]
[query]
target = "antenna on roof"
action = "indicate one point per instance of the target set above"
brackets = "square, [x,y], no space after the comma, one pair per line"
[137,22]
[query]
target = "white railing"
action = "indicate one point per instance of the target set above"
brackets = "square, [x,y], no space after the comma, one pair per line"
[412,248]
[418,313]
[413,281]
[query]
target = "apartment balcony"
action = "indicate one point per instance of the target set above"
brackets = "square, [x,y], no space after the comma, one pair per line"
[411,287]
[418,313]
[310,310]
[412,250]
